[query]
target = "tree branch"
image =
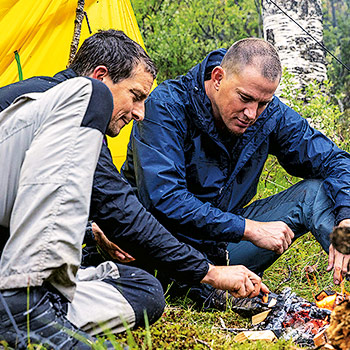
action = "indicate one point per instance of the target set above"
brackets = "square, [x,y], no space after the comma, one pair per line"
[77,30]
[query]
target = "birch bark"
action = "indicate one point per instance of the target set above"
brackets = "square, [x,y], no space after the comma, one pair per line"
[299,53]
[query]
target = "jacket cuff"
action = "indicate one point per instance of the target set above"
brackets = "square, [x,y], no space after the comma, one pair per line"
[341,214]
[239,228]
[201,273]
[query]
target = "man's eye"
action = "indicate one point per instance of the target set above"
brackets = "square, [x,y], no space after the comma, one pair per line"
[245,99]
[135,97]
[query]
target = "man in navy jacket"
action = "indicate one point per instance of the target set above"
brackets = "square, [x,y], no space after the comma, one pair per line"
[197,156]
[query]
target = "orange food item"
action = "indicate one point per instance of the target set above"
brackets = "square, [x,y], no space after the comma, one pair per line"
[265,298]
[328,302]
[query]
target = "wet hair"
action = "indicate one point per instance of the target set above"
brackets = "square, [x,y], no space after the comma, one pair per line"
[253,52]
[113,49]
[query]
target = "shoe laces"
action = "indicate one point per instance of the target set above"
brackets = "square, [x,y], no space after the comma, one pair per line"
[12,320]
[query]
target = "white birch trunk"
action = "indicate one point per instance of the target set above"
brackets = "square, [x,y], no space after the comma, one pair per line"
[298,52]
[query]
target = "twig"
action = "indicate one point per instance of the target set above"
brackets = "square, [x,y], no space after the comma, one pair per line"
[288,180]
[222,322]
[77,29]
[202,342]
[234,330]
[287,278]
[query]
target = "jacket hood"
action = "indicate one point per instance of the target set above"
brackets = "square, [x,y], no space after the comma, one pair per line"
[199,106]
[197,73]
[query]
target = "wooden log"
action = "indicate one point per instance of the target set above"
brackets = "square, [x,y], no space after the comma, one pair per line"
[255,335]
[260,317]
[272,303]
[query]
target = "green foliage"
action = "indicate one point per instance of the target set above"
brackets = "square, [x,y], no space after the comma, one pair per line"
[336,14]
[179,34]
[336,22]
[317,107]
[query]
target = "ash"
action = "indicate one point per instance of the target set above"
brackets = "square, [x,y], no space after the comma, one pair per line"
[295,318]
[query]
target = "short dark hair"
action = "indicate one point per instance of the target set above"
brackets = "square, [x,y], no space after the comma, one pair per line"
[113,49]
[255,52]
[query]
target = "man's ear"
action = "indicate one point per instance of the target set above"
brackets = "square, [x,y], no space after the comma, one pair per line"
[99,73]
[217,75]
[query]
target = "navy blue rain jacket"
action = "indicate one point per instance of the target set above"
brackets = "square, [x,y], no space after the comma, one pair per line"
[118,212]
[194,184]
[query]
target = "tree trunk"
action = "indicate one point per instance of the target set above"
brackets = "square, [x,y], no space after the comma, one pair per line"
[298,52]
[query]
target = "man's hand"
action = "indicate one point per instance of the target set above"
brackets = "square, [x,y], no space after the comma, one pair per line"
[238,280]
[274,235]
[338,261]
[109,247]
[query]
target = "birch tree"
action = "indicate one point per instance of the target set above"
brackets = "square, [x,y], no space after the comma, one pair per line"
[299,53]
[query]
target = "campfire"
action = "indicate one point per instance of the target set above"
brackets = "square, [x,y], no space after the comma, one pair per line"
[295,318]
[311,324]
[323,324]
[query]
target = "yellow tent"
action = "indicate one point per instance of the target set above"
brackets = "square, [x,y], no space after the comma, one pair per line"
[41,32]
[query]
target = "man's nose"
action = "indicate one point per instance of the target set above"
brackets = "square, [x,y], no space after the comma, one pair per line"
[138,112]
[251,110]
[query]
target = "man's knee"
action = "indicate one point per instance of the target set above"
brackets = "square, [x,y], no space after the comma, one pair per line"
[313,185]
[153,301]
[143,292]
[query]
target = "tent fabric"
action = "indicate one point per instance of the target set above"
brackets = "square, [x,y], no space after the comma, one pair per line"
[42,31]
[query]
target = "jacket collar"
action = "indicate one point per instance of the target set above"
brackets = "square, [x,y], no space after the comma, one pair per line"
[65,74]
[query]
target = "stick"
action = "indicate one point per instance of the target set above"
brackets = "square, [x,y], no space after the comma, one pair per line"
[77,30]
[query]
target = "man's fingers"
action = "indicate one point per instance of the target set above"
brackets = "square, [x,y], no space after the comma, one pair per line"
[290,233]
[338,265]
[330,258]
[264,288]
[346,262]
[341,262]
[255,291]
[337,277]
[285,239]
[289,236]
[128,255]
[244,290]
[118,255]
[240,292]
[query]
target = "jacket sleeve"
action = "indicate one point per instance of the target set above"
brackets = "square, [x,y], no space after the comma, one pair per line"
[118,212]
[157,164]
[307,153]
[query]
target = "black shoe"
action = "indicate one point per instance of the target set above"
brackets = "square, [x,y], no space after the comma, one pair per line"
[46,317]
